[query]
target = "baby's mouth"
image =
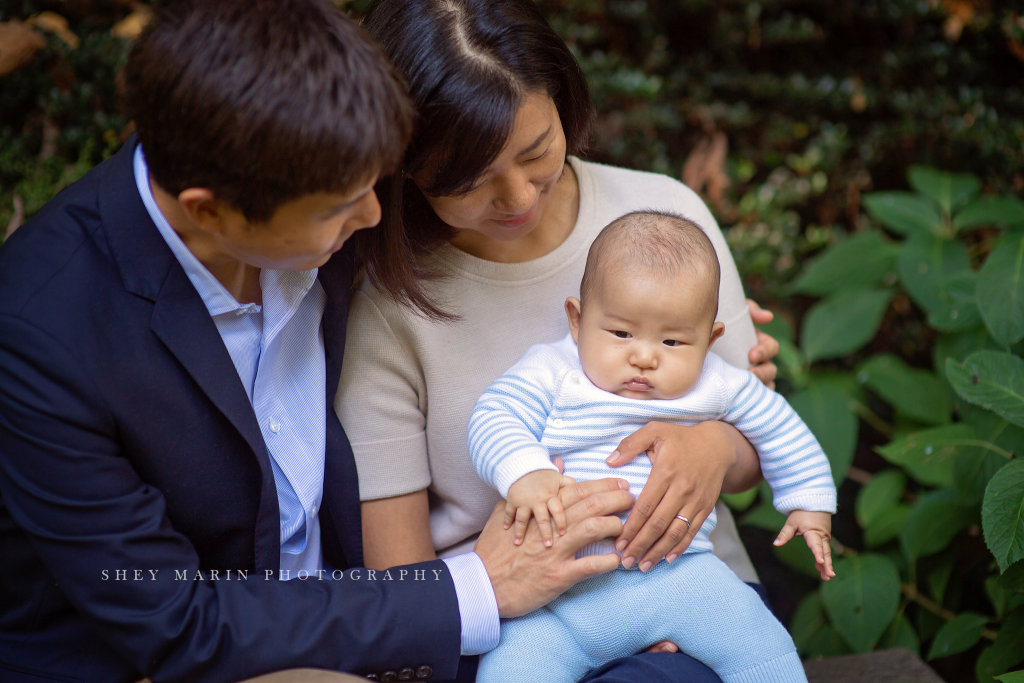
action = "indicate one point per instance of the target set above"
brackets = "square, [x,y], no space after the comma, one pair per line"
[638,384]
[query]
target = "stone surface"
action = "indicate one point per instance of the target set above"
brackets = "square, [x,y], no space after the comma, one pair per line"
[888,666]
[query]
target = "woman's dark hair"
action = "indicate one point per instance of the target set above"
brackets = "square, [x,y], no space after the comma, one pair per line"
[264,101]
[469,65]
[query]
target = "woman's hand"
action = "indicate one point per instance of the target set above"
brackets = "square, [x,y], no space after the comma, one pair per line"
[766,349]
[690,465]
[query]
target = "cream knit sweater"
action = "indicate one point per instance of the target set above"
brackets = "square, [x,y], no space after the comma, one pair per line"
[408,385]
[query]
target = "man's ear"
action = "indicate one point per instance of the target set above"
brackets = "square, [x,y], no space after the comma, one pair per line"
[204,209]
[574,311]
[717,330]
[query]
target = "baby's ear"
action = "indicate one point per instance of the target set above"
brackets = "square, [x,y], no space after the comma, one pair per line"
[574,311]
[717,330]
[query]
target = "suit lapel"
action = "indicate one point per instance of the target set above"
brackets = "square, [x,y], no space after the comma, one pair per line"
[181,321]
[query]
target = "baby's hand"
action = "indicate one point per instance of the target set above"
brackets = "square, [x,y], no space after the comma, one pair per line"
[816,528]
[535,493]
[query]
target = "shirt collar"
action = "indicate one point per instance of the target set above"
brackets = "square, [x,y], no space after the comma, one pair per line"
[215,296]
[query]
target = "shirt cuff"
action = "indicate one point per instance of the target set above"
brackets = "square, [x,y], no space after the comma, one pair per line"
[478,608]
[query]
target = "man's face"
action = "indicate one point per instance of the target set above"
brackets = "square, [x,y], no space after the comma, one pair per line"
[643,336]
[301,234]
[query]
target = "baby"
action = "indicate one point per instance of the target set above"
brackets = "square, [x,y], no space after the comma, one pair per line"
[639,351]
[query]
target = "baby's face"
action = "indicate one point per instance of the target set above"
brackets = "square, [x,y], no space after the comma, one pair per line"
[642,335]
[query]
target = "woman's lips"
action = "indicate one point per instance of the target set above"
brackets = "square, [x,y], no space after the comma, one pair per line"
[638,384]
[519,220]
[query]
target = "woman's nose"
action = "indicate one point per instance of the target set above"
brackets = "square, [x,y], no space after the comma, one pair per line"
[516,193]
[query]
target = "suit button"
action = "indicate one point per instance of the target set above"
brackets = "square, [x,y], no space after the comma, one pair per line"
[373,677]
[389,676]
[406,674]
[424,672]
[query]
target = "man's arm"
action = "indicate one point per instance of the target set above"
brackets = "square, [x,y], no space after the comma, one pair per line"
[68,484]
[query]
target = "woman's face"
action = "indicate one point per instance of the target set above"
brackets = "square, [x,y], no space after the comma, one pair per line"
[508,200]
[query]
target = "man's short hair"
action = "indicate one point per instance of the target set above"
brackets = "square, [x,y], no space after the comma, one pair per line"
[263,101]
[655,242]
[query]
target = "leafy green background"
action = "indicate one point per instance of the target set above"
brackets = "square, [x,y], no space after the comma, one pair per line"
[865,159]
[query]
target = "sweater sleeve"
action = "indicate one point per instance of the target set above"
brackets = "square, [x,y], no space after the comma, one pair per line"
[791,459]
[381,403]
[508,420]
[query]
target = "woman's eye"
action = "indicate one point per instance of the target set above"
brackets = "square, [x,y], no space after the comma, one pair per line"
[622,335]
[539,156]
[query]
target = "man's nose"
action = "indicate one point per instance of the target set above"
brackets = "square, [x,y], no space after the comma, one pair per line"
[369,212]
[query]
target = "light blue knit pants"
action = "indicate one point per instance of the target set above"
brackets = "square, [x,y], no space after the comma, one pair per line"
[695,602]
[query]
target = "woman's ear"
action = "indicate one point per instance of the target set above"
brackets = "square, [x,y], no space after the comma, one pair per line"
[574,311]
[717,330]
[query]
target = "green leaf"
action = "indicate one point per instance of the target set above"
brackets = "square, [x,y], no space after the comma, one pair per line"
[958,306]
[888,526]
[1002,211]
[931,456]
[764,515]
[826,643]
[900,634]
[950,190]
[862,598]
[992,428]
[739,501]
[938,578]
[1012,677]
[925,266]
[808,618]
[878,496]
[797,555]
[790,361]
[1004,601]
[958,635]
[825,407]
[1012,580]
[916,393]
[1006,652]
[1002,514]
[959,345]
[992,380]
[864,260]
[842,324]
[904,212]
[779,328]
[934,521]
[1000,290]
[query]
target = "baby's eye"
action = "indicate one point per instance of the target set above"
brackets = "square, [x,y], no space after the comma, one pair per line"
[622,335]
[672,342]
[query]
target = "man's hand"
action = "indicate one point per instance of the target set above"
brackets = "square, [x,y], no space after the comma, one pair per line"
[816,528]
[536,494]
[766,349]
[529,576]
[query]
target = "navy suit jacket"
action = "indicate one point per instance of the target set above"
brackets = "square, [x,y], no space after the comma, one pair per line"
[127,443]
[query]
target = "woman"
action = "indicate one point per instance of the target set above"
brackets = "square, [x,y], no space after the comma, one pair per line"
[497,222]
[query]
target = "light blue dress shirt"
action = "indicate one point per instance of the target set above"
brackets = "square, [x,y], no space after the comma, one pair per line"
[278,350]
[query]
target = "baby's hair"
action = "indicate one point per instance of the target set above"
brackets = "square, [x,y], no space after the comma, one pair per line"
[655,242]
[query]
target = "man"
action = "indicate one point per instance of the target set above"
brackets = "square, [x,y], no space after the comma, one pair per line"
[171,334]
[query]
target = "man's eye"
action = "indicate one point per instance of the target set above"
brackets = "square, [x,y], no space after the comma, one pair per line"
[622,335]
[672,342]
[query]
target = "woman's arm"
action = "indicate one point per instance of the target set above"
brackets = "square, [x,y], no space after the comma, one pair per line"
[396,531]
